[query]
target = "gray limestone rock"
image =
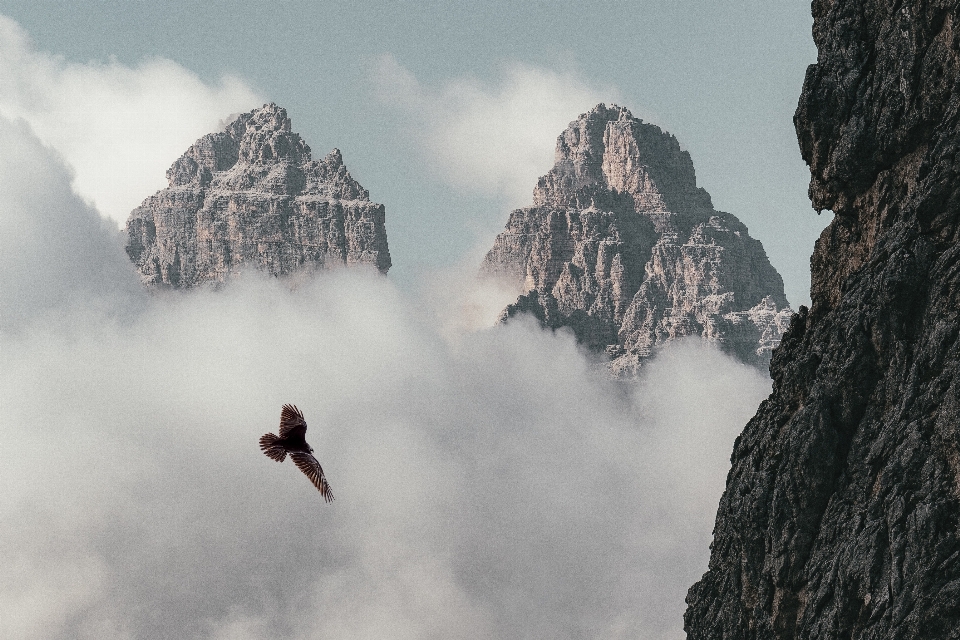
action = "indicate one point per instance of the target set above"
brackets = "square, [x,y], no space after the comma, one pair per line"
[251,195]
[621,246]
[841,515]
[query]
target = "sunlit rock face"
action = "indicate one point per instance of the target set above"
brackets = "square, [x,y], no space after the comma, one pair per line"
[841,515]
[251,195]
[621,246]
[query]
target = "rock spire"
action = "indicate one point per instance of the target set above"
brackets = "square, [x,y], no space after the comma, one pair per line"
[251,195]
[623,247]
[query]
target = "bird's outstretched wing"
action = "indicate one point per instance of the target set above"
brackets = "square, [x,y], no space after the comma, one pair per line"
[291,421]
[311,468]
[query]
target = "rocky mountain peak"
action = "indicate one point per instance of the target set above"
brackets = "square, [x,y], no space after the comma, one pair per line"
[622,247]
[251,194]
[608,149]
[267,137]
[262,136]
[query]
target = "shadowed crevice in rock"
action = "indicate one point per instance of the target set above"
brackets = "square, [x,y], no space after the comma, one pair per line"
[623,247]
[841,515]
[251,195]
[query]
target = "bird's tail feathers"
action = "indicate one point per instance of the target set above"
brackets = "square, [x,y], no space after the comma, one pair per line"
[268,442]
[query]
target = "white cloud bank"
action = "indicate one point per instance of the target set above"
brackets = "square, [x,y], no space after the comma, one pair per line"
[494,487]
[56,252]
[493,140]
[118,127]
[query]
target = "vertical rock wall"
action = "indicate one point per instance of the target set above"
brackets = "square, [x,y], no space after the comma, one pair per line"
[841,516]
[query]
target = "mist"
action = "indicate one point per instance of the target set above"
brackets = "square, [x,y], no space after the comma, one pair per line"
[495,140]
[119,127]
[491,481]
[504,488]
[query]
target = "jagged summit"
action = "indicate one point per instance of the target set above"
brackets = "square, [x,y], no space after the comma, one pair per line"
[608,149]
[623,247]
[251,194]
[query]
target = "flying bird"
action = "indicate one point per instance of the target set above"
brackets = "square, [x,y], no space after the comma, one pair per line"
[293,429]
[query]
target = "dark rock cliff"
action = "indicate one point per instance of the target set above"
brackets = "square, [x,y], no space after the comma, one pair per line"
[841,516]
[251,195]
[621,246]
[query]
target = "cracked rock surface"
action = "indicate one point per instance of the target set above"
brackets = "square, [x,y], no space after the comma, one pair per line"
[251,195]
[841,515]
[621,246]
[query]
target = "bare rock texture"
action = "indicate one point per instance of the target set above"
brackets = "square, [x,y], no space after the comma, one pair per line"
[841,515]
[251,195]
[621,246]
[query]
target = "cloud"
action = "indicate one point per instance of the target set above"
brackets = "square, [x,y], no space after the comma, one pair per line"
[496,485]
[502,488]
[55,251]
[494,140]
[118,127]
[490,482]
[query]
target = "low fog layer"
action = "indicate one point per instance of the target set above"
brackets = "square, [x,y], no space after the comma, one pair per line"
[489,484]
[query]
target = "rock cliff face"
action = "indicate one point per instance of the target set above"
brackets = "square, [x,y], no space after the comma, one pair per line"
[841,516]
[623,247]
[251,195]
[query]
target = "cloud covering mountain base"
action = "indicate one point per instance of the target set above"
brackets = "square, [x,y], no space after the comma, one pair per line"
[489,484]
[504,489]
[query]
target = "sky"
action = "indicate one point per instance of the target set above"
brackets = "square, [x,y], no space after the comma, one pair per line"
[491,481]
[448,112]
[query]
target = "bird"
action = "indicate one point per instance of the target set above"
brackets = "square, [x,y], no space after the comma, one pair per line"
[291,440]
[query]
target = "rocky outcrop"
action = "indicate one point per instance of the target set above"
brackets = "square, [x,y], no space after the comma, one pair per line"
[841,515]
[251,195]
[621,246]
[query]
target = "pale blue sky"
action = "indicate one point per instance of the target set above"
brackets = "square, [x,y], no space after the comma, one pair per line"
[723,77]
